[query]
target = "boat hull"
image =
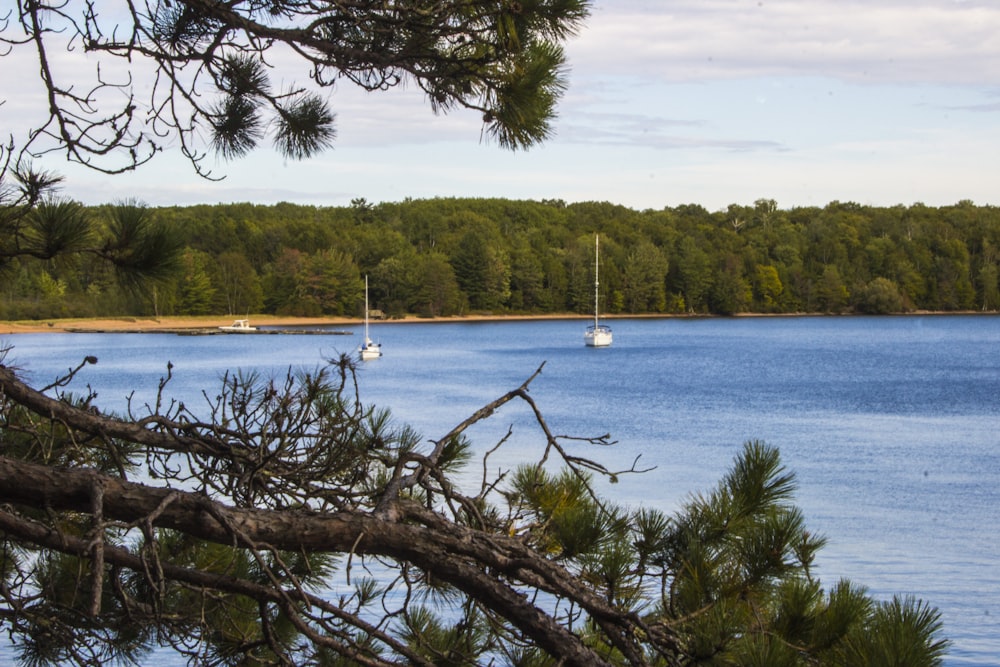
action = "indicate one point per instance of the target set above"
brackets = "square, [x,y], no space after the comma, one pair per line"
[370,351]
[239,326]
[599,336]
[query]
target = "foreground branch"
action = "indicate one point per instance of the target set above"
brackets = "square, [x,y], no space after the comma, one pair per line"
[240,519]
[69,490]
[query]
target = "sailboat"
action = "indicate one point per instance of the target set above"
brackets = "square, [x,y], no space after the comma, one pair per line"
[369,349]
[597,334]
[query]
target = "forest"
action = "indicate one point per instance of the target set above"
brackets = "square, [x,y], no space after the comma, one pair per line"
[447,257]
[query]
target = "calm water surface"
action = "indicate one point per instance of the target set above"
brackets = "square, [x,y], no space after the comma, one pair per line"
[891,424]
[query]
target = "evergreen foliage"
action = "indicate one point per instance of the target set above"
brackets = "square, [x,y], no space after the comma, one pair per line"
[292,524]
[199,75]
[59,258]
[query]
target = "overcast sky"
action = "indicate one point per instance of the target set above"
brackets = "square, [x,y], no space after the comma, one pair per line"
[710,102]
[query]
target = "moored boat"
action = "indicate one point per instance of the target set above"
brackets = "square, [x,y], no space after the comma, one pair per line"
[239,326]
[597,334]
[369,349]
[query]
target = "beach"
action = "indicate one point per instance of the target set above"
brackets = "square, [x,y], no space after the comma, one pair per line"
[210,322]
[213,322]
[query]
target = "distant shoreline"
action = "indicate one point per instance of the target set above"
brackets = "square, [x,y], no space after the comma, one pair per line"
[212,323]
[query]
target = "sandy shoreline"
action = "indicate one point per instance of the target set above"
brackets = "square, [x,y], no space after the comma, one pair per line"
[213,322]
[139,324]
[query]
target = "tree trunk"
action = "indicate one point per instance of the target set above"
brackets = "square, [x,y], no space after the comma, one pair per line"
[457,555]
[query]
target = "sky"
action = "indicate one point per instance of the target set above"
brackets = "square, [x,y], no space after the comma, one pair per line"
[708,102]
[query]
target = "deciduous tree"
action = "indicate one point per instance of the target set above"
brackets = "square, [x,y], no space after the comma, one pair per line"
[237,284]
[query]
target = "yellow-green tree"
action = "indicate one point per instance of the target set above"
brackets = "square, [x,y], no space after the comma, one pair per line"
[768,287]
[197,292]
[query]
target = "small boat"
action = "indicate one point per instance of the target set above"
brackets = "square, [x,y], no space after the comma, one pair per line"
[239,326]
[369,350]
[597,334]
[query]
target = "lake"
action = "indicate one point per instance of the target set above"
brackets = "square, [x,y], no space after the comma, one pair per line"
[890,424]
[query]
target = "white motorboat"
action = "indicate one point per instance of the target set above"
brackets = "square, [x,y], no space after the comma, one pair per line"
[239,326]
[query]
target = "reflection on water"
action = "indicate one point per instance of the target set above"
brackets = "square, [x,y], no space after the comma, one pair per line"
[889,423]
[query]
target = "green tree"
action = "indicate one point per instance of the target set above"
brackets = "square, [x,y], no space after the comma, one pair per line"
[237,284]
[644,279]
[291,487]
[879,297]
[327,284]
[952,283]
[37,226]
[527,277]
[279,282]
[51,288]
[578,276]
[768,287]
[730,293]
[989,281]
[395,282]
[694,274]
[831,293]
[197,293]
[439,293]
[482,265]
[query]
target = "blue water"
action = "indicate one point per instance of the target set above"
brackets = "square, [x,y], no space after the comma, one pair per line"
[891,424]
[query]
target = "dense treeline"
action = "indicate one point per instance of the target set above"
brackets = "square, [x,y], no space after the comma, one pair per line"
[454,256]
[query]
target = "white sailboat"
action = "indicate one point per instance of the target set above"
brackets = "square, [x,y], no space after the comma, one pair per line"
[369,349]
[597,334]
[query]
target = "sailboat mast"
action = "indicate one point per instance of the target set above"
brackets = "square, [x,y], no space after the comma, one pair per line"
[596,282]
[366,308]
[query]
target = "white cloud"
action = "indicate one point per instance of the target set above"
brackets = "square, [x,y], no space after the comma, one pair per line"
[873,42]
[670,101]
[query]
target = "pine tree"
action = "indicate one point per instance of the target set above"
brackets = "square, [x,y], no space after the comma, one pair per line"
[197,75]
[36,225]
[294,525]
